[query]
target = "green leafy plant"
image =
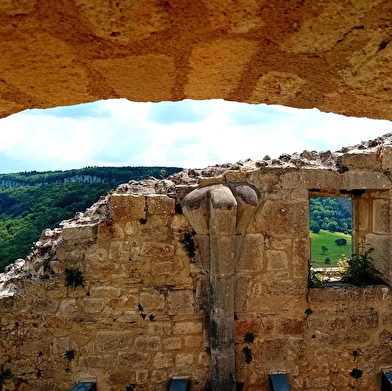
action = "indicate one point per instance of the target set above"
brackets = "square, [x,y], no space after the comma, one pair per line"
[74,278]
[361,270]
[356,373]
[249,338]
[69,355]
[188,244]
[143,315]
[314,277]
[308,311]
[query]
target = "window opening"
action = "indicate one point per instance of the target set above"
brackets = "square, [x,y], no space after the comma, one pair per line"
[330,225]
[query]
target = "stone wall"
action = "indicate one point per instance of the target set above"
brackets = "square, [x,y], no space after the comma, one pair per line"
[178,272]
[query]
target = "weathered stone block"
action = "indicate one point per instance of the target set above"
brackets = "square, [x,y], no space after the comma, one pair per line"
[291,326]
[317,382]
[62,344]
[110,341]
[276,260]
[127,207]
[181,302]
[157,250]
[160,205]
[173,343]
[249,250]
[135,360]
[118,251]
[163,360]
[381,216]
[242,293]
[93,305]
[203,182]
[171,267]
[151,299]
[184,360]
[58,322]
[158,376]
[283,219]
[104,361]
[104,291]
[282,349]
[80,234]
[363,318]
[44,304]
[141,377]
[68,307]
[290,180]
[109,230]
[236,176]
[301,255]
[159,328]
[193,342]
[181,328]
[147,343]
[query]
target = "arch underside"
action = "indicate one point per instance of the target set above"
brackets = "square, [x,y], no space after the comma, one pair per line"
[331,55]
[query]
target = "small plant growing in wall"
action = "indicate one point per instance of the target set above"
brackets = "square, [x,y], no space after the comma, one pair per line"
[69,355]
[142,314]
[74,278]
[188,244]
[249,338]
[356,373]
[361,270]
[308,311]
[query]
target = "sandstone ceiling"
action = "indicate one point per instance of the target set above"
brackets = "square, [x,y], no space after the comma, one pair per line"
[334,55]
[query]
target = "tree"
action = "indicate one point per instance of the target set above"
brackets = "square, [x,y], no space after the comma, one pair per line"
[327,260]
[315,228]
[341,242]
[324,249]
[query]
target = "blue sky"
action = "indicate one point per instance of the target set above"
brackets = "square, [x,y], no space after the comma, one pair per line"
[189,134]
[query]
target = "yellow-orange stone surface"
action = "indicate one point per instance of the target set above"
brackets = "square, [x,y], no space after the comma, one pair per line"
[334,55]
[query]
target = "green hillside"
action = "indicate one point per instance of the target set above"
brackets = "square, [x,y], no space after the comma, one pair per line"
[334,252]
[33,201]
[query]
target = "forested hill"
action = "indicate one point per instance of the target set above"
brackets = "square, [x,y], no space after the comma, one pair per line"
[331,214]
[33,201]
[109,175]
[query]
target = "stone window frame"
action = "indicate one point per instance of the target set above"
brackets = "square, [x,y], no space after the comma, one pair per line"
[316,193]
[370,222]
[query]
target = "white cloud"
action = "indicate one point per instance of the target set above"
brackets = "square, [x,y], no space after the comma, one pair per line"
[119,132]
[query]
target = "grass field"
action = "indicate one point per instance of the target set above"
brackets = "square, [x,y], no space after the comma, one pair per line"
[334,253]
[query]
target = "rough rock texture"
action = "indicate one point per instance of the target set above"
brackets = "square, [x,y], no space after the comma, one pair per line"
[178,271]
[334,55]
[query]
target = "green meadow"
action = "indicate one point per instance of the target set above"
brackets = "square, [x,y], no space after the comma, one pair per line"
[334,253]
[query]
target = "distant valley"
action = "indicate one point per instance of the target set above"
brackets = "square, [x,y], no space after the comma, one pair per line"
[33,201]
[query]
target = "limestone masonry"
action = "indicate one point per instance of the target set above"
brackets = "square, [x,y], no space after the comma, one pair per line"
[177,271]
[333,54]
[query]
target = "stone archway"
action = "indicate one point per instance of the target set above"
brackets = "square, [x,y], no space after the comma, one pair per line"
[333,55]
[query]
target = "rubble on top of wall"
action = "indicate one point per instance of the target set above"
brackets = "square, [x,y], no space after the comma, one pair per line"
[35,266]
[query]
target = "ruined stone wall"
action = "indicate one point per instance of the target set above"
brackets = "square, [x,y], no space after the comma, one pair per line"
[132,258]
[153,307]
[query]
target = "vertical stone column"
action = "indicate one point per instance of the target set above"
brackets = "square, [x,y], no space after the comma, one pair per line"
[220,211]
[223,213]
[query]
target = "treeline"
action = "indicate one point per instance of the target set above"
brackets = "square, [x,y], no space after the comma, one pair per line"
[112,175]
[42,202]
[330,214]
